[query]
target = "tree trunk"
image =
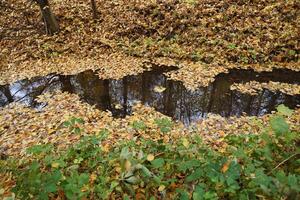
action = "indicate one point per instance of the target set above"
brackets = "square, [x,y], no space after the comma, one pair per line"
[94,9]
[49,18]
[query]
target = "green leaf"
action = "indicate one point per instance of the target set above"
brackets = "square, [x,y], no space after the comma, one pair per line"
[282,109]
[292,52]
[231,46]
[146,171]
[292,181]
[139,125]
[83,178]
[56,176]
[197,174]
[210,195]
[114,184]
[79,120]
[183,195]
[77,130]
[73,120]
[126,197]
[67,124]
[125,154]
[39,149]
[165,124]
[198,193]
[50,187]
[279,125]
[157,163]
[188,165]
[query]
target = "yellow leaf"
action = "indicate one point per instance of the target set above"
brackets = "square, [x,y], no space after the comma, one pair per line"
[105,148]
[159,89]
[118,169]
[127,165]
[185,142]
[93,177]
[55,165]
[118,106]
[150,157]
[51,130]
[161,188]
[222,133]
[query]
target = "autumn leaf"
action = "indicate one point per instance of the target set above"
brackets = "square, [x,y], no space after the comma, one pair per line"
[185,142]
[161,188]
[55,165]
[225,166]
[150,157]
[159,89]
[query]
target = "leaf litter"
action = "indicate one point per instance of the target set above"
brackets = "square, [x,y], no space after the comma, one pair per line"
[203,38]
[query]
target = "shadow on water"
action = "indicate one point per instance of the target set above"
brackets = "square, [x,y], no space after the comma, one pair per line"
[176,101]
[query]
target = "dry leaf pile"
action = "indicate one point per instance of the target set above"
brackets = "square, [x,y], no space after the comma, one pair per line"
[253,87]
[21,127]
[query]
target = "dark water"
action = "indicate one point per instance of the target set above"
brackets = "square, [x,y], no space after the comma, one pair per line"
[176,101]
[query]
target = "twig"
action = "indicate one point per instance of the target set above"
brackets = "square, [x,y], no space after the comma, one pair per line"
[281,163]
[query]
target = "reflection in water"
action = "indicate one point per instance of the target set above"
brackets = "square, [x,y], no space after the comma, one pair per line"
[176,101]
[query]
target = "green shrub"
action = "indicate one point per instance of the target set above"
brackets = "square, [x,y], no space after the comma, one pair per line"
[264,166]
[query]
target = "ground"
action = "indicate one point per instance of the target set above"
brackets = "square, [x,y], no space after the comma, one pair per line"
[201,37]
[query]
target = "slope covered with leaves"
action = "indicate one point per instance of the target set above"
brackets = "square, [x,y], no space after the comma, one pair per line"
[214,35]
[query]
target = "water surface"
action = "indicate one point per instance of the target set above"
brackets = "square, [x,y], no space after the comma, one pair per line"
[176,101]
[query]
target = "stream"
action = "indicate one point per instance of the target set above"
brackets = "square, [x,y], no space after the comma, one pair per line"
[118,96]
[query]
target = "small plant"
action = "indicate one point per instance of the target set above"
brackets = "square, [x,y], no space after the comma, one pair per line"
[139,125]
[231,46]
[40,149]
[164,124]
[75,186]
[74,124]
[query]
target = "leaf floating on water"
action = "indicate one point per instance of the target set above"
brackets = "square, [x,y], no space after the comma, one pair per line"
[118,106]
[253,87]
[159,89]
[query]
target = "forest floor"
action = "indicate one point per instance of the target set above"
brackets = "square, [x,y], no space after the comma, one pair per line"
[202,38]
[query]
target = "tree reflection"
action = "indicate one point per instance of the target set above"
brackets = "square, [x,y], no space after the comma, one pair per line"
[175,101]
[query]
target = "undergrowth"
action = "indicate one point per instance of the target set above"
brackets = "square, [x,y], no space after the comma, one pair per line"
[257,166]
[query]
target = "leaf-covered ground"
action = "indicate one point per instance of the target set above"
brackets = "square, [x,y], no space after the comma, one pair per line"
[203,37]
[253,87]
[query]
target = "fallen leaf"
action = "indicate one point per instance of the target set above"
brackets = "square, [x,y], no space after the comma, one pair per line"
[225,167]
[159,89]
[150,157]
[161,188]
